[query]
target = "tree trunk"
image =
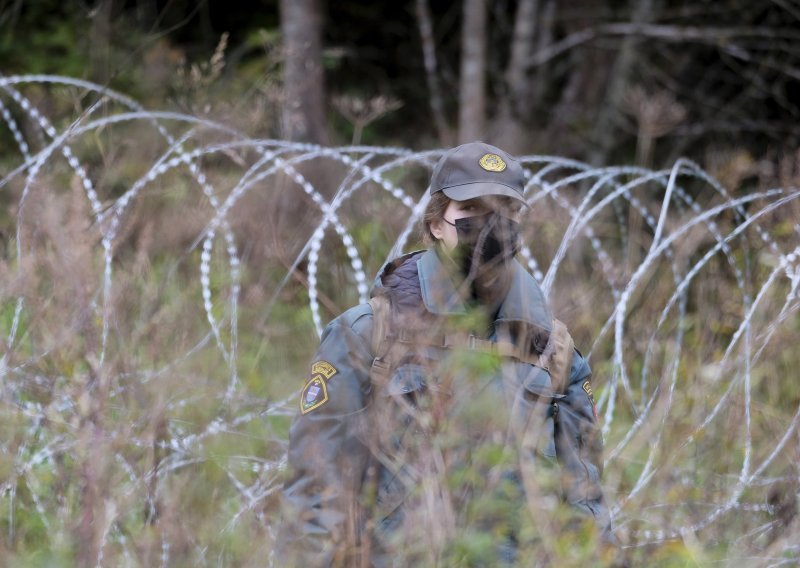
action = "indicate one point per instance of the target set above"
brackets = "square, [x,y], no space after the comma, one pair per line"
[541,79]
[604,132]
[100,55]
[304,105]
[425,23]
[472,89]
[521,47]
[511,132]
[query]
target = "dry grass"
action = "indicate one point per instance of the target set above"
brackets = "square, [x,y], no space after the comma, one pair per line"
[139,426]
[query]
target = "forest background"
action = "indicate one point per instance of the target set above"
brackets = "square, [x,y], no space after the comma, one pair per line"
[590,80]
[102,472]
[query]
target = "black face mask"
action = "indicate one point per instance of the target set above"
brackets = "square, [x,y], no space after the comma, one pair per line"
[485,241]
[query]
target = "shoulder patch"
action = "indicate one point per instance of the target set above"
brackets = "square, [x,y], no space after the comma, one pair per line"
[323,368]
[314,395]
[587,388]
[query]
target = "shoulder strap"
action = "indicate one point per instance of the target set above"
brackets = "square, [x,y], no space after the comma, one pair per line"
[381,309]
[559,356]
[380,344]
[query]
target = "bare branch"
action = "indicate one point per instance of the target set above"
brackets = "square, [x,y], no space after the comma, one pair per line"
[711,34]
[793,10]
[658,31]
[770,127]
[554,50]
[740,53]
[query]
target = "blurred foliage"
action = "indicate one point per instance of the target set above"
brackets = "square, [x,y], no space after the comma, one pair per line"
[201,471]
[731,105]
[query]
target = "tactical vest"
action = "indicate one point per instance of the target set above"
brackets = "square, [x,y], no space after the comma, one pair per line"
[412,398]
[393,343]
[390,343]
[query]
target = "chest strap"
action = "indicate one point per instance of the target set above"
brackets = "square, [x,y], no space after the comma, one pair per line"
[389,347]
[471,342]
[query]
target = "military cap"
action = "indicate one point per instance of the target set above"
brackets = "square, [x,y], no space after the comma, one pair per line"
[477,169]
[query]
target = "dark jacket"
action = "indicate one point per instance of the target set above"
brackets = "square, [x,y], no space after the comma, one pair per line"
[364,457]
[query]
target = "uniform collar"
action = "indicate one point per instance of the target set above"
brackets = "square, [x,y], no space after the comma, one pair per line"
[524,302]
[439,292]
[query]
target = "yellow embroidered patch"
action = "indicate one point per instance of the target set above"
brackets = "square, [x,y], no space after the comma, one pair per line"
[492,163]
[314,395]
[323,368]
[587,388]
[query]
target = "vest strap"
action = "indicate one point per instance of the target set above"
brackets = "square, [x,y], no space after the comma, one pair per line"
[387,347]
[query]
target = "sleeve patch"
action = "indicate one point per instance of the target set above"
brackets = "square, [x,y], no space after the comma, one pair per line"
[314,395]
[587,388]
[323,368]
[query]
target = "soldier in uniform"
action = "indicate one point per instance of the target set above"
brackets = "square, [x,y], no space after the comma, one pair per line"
[449,420]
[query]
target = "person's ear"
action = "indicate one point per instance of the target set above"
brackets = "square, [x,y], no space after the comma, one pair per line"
[436,229]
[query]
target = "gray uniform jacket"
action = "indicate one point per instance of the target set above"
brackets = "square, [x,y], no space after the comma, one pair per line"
[350,485]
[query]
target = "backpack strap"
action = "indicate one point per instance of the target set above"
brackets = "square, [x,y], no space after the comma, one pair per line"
[381,344]
[556,358]
[558,353]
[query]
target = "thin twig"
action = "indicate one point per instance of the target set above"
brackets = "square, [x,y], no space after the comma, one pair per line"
[658,31]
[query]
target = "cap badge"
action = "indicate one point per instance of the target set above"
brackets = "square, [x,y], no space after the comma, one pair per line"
[492,163]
